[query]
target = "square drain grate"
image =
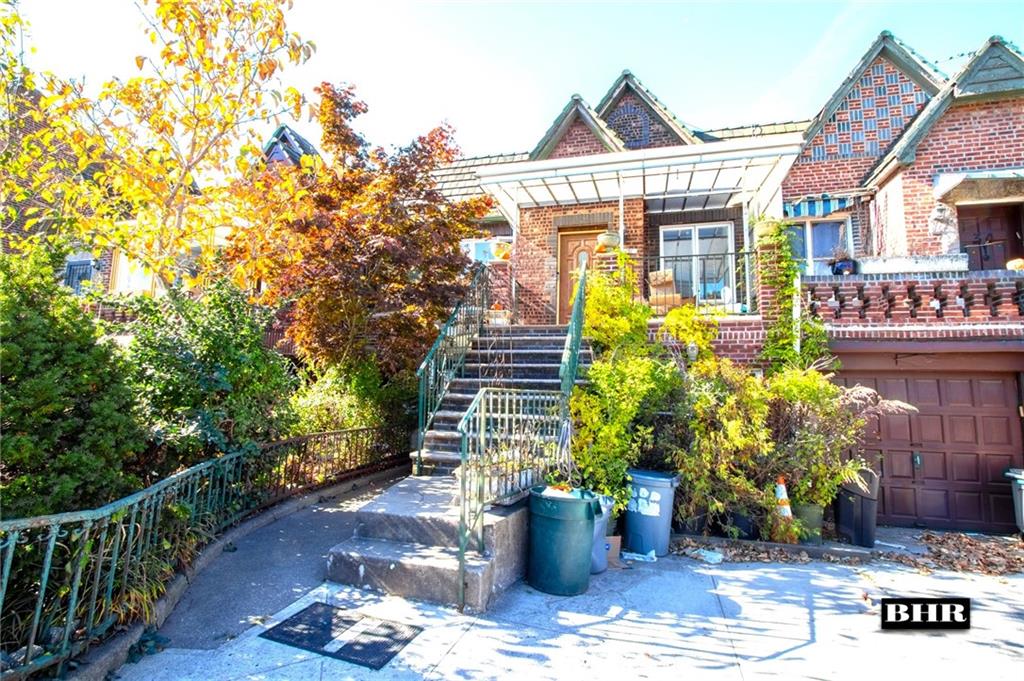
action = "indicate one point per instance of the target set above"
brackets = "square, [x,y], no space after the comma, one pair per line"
[343,635]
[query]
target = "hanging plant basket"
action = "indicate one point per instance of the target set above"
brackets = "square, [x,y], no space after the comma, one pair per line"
[608,240]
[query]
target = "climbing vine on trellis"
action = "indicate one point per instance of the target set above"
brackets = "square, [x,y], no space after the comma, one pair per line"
[780,274]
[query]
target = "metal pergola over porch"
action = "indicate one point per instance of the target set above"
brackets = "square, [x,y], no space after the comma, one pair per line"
[743,172]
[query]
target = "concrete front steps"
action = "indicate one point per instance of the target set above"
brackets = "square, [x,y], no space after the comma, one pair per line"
[406,543]
[519,356]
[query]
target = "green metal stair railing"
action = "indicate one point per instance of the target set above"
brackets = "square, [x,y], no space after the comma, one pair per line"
[574,335]
[68,580]
[447,355]
[511,439]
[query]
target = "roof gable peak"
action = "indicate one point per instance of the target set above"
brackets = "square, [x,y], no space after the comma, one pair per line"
[996,67]
[887,46]
[576,109]
[628,81]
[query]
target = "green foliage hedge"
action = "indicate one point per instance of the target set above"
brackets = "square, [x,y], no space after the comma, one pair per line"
[203,380]
[67,419]
[335,399]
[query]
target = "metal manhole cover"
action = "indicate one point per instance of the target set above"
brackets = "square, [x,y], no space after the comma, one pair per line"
[344,635]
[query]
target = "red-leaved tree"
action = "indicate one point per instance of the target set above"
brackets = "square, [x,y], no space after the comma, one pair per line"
[371,259]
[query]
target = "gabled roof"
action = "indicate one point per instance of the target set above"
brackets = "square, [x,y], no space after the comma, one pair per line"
[918,69]
[627,81]
[287,145]
[753,130]
[458,180]
[995,69]
[576,109]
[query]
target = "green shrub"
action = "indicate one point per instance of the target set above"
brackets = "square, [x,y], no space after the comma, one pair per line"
[614,415]
[687,324]
[729,463]
[332,399]
[816,431]
[614,319]
[66,413]
[204,381]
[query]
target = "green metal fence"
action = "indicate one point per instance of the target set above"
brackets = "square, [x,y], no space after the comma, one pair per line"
[511,439]
[448,354]
[574,335]
[67,580]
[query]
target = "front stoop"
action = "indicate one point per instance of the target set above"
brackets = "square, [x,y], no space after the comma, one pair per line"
[406,544]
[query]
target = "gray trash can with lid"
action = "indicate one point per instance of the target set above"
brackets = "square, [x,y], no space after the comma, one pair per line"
[599,554]
[649,513]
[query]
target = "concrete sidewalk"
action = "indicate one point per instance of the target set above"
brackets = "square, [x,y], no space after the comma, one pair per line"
[668,620]
[267,570]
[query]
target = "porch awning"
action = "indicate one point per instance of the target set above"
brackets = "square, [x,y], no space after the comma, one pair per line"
[821,205]
[679,178]
[1009,179]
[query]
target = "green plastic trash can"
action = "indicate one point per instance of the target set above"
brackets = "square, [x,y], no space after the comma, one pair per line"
[649,512]
[561,539]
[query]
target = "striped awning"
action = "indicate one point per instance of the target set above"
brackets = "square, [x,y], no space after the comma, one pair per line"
[819,206]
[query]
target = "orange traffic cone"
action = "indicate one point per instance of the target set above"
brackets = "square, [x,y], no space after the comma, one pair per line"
[782,499]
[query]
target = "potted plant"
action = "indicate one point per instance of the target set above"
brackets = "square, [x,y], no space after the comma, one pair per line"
[817,427]
[842,264]
[607,241]
[816,488]
[498,315]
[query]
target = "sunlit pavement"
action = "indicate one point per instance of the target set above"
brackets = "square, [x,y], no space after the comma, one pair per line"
[674,619]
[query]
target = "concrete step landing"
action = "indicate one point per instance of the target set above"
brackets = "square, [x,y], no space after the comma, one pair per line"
[406,543]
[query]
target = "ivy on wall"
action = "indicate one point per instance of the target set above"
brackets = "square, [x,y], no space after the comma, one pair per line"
[780,272]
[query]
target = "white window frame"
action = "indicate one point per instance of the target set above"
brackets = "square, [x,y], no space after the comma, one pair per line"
[694,273]
[808,222]
[469,245]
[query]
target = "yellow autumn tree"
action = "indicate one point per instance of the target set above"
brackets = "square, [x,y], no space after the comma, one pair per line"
[149,164]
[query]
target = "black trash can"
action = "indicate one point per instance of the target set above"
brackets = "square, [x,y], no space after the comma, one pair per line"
[857,510]
[561,540]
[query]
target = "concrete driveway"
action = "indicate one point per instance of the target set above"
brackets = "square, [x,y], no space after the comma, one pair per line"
[674,619]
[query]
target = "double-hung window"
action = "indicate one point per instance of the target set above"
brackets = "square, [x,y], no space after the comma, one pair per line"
[816,241]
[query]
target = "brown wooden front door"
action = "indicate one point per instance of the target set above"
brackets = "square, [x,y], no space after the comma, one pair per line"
[570,246]
[943,466]
[990,235]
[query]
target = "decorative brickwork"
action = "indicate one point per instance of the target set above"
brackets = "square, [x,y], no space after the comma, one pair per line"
[979,136]
[638,126]
[535,264]
[578,140]
[873,115]
[920,306]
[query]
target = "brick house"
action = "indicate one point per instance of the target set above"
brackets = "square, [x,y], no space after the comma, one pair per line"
[917,176]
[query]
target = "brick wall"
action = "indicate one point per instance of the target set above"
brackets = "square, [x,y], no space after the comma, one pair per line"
[500,283]
[979,136]
[638,126]
[534,263]
[824,165]
[578,140]
[740,339]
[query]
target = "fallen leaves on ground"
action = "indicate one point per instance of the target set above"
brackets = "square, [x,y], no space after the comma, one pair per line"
[752,552]
[966,553]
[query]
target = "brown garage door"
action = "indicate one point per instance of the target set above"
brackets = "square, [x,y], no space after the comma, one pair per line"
[943,467]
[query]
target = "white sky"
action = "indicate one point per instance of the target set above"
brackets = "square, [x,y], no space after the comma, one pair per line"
[501,72]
